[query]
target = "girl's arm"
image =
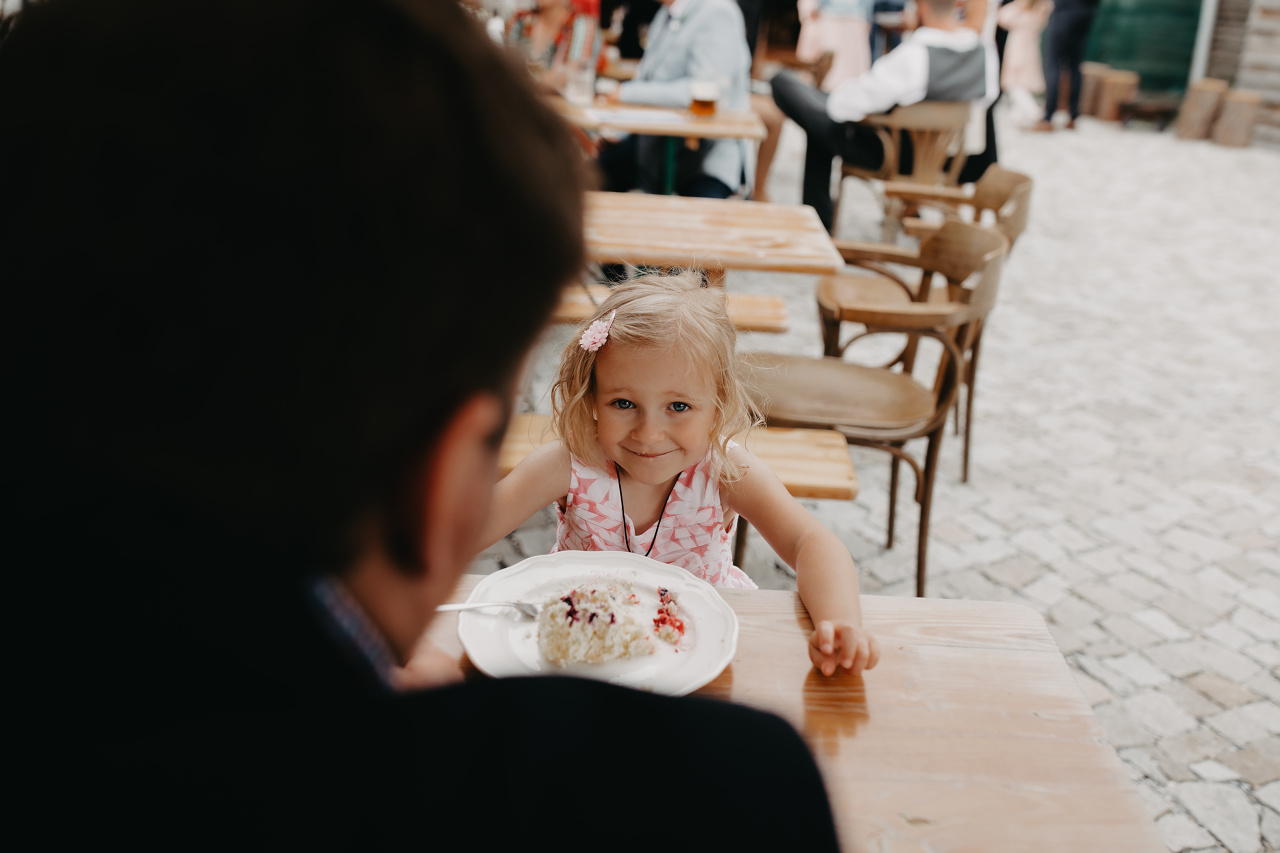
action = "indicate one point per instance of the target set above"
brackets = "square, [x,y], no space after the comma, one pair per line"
[542,477]
[825,574]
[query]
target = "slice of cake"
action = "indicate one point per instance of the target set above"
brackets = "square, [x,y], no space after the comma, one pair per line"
[592,625]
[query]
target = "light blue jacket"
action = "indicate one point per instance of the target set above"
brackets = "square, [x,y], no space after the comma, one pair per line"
[707,42]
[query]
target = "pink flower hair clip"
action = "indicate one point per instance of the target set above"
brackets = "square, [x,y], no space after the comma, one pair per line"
[597,333]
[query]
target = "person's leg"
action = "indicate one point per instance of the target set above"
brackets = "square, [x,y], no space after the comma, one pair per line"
[1076,42]
[772,117]
[977,163]
[704,186]
[1052,68]
[807,107]
[619,164]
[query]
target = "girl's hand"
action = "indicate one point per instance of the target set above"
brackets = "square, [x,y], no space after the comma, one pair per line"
[841,644]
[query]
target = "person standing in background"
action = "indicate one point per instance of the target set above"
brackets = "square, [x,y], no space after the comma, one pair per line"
[1022,71]
[1068,36]
[555,38]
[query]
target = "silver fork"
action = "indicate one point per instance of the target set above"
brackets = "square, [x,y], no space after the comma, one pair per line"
[530,611]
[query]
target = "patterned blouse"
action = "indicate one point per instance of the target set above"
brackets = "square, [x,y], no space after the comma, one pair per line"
[691,533]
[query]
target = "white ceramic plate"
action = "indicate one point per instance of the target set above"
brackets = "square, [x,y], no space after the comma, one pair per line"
[501,643]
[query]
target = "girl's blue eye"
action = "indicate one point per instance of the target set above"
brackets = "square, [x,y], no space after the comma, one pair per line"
[623,404]
[680,407]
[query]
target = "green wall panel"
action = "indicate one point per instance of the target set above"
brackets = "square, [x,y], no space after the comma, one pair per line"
[1153,37]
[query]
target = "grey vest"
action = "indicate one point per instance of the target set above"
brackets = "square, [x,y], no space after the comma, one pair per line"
[956,75]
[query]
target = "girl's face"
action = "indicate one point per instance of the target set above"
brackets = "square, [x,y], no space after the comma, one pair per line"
[655,410]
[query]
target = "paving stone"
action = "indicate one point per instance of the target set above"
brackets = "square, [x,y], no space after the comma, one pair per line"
[1256,624]
[1131,632]
[1116,682]
[1127,532]
[1069,611]
[1247,723]
[1267,654]
[1142,762]
[1136,585]
[1226,662]
[1271,828]
[1161,624]
[1212,771]
[1182,833]
[1184,611]
[1220,690]
[1121,727]
[1136,668]
[1201,546]
[1107,597]
[1159,713]
[1257,764]
[1216,578]
[1269,794]
[1265,685]
[1048,590]
[1225,811]
[1228,635]
[1192,701]
[1094,691]
[952,533]
[1014,573]
[1192,746]
[1155,798]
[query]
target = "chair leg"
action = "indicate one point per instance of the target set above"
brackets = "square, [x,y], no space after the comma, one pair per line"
[893,496]
[740,542]
[830,334]
[926,504]
[971,380]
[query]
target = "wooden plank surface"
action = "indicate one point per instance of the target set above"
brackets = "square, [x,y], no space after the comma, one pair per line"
[810,463]
[662,121]
[750,312]
[706,233]
[971,736]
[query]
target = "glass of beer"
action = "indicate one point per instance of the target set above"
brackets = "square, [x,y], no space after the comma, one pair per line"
[703,96]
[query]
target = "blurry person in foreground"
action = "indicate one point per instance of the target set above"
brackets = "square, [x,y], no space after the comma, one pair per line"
[260,411]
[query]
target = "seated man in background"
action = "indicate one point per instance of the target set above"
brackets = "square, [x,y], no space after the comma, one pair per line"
[261,407]
[689,40]
[941,61]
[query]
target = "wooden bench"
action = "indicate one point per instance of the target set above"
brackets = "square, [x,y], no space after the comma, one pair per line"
[750,312]
[812,463]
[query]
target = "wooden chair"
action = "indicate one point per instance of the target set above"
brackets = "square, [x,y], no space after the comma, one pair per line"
[1000,200]
[885,408]
[936,130]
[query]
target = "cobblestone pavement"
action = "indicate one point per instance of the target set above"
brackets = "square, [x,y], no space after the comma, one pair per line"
[1125,479]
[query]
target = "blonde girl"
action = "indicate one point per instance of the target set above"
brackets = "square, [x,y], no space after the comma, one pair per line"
[644,402]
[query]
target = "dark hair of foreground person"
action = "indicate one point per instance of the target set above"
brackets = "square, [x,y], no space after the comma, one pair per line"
[271,271]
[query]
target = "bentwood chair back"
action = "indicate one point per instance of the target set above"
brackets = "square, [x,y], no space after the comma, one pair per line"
[884,407]
[936,132]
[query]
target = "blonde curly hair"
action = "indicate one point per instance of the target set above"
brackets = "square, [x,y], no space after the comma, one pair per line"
[675,312]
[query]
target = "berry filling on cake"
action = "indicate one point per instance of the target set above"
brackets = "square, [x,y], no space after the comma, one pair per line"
[596,624]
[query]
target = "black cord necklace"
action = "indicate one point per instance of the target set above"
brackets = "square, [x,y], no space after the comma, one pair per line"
[626,537]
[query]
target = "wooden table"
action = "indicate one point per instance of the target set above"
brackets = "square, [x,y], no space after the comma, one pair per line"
[662,121]
[672,122]
[971,735]
[749,312]
[707,233]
